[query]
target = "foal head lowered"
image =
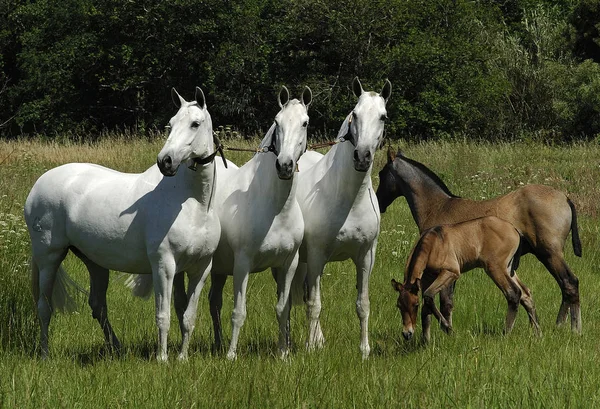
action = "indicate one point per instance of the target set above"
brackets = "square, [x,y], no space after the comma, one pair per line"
[364,126]
[191,135]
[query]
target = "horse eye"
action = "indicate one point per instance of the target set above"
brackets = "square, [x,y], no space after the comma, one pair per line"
[195,124]
[353,114]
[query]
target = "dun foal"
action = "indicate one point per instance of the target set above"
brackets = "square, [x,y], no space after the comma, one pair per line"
[443,253]
[543,215]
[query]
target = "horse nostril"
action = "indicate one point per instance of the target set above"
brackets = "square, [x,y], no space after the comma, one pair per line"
[167,161]
[356,155]
[367,155]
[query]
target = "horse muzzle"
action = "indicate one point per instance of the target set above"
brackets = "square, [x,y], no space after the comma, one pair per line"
[362,163]
[407,335]
[166,166]
[285,170]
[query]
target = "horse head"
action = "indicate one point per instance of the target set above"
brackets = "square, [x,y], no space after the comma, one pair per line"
[287,136]
[408,304]
[388,189]
[364,126]
[190,136]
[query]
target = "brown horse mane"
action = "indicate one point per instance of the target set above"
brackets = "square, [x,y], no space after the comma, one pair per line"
[427,172]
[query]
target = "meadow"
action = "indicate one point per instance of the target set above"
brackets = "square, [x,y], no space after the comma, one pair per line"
[477,366]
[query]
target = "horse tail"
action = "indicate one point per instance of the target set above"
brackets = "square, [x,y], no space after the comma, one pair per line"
[574,230]
[63,291]
[298,291]
[141,285]
[516,258]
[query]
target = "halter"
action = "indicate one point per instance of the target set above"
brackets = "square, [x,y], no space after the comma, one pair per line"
[348,136]
[211,157]
[271,147]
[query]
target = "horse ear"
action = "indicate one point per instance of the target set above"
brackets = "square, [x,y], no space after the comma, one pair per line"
[306,97]
[283,97]
[390,154]
[386,91]
[396,285]
[177,99]
[200,98]
[357,87]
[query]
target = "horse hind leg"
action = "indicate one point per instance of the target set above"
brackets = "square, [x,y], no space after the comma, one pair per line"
[99,278]
[569,286]
[43,274]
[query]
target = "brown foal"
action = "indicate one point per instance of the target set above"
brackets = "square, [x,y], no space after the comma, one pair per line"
[443,253]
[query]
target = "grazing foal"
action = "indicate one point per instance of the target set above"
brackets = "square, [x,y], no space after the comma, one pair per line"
[543,215]
[443,253]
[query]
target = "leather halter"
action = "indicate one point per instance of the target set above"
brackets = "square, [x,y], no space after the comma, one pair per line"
[348,136]
[211,157]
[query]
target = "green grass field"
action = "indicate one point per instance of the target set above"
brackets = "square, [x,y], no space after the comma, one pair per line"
[475,367]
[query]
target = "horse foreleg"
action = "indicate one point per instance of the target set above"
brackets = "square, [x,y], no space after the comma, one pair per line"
[180,299]
[313,304]
[364,266]
[238,316]
[444,279]
[447,302]
[285,275]
[197,278]
[511,290]
[527,303]
[163,272]
[215,298]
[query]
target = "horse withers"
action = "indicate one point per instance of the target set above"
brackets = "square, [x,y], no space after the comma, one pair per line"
[543,215]
[443,253]
[143,223]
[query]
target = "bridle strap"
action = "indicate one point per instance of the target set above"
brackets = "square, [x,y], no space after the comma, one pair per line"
[345,138]
[211,157]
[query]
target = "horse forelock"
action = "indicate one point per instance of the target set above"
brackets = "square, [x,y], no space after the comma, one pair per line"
[427,173]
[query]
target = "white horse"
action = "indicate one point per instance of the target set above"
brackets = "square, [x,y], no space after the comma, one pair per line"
[340,210]
[137,223]
[261,221]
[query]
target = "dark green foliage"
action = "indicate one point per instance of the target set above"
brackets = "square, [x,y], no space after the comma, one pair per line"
[488,69]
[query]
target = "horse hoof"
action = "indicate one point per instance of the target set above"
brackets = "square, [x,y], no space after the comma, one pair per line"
[231,355]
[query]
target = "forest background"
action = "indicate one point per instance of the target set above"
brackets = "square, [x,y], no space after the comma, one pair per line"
[488,70]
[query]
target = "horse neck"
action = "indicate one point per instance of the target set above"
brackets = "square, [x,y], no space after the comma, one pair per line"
[266,184]
[351,183]
[423,195]
[198,184]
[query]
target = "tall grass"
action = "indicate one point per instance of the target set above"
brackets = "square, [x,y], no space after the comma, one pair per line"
[475,367]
